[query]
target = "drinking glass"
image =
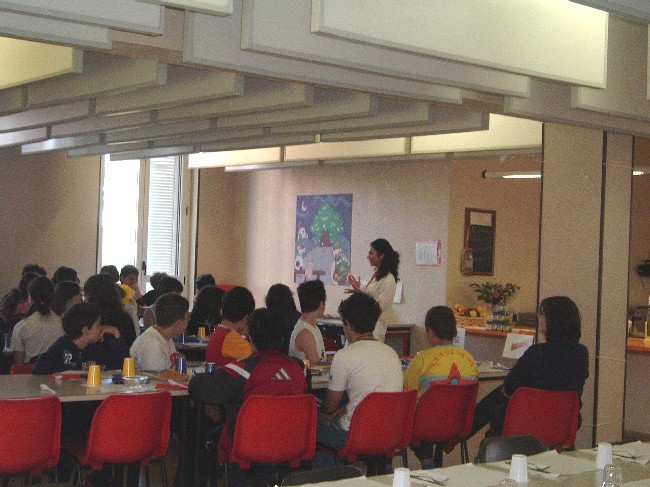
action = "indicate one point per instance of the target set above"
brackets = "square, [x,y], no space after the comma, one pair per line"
[612,476]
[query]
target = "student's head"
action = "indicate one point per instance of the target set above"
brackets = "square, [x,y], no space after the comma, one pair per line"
[155,279]
[237,304]
[23,285]
[41,294]
[311,295]
[64,273]
[80,316]
[169,284]
[66,293]
[171,308]
[386,258]
[361,311]
[100,288]
[266,329]
[35,268]
[204,280]
[440,321]
[111,270]
[129,275]
[208,304]
[280,297]
[559,320]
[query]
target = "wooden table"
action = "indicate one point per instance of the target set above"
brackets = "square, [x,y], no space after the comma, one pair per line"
[26,386]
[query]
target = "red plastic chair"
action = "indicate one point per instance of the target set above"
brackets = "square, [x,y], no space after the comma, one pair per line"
[381,424]
[126,428]
[444,414]
[30,432]
[275,430]
[21,369]
[550,416]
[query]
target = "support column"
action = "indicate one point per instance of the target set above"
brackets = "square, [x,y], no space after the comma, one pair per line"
[584,252]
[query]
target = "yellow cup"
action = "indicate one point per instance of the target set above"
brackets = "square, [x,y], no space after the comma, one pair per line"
[201,332]
[94,376]
[128,369]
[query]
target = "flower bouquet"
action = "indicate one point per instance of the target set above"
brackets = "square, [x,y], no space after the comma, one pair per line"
[494,293]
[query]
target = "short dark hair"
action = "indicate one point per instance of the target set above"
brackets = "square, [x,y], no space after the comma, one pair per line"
[562,319]
[41,291]
[79,315]
[155,279]
[237,304]
[170,308]
[311,294]
[111,270]
[64,273]
[129,270]
[63,291]
[442,322]
[204,280]
[362,312]
[280,297]
[266,329]
[34,268]
[169,284]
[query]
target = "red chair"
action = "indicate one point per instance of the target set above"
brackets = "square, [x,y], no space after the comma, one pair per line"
[381,424]
[274,430]
[21,369]
[550,416]
[444,414]
[30,432]
[126,428]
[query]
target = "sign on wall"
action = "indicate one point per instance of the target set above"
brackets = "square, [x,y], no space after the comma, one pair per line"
[323,233]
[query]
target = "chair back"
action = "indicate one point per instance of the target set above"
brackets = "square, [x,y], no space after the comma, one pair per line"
[381,424]
[275,430]
[31,434]
[129,428]
[497,448]
[550,416]
[445,412]
[21,369]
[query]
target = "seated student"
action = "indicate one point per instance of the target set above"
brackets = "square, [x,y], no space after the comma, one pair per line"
[167,284]
[306,339]
[150,296]
[79,346]
[34,335]
[131,291]
[201,281]
[64,273]
[365,365]
[206,311]
[112,271]
[561,363]
[227,343]
[66,293]
[280,297]
[155,349]
[442,362]
[258,374]
[14,306]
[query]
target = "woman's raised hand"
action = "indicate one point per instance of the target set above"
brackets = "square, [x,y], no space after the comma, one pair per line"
[355,283]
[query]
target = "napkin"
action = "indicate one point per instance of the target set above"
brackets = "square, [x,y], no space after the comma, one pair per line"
[465,475]
[67,376]
[635,452]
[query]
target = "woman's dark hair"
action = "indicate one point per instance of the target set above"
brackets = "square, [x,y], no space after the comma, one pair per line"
[41,293]
[280,297]
[390,262]
[266,329]
[207,309]
[63,291]
[562,319]
[362,312]
[442,322]
[204,280]
[102,291]
[64,273]
[169,284]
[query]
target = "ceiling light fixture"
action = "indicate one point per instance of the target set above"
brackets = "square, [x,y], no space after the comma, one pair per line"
[271,165]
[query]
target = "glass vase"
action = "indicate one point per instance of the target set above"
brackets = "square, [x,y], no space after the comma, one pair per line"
[498,318]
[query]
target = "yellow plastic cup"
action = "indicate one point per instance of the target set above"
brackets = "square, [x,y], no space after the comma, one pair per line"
[201,332]
[128,369]
[94,376]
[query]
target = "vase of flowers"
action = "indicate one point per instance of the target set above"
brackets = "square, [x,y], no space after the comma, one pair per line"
[496,296]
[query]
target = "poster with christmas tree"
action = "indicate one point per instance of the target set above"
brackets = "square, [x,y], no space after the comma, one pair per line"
[323,231]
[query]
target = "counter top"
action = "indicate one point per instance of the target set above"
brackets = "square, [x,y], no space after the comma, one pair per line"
[638,345]
[479,330]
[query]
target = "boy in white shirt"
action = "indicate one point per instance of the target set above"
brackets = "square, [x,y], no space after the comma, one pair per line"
[155,349]
[306,339]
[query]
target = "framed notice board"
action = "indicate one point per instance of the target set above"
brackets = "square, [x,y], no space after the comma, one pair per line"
[480,233]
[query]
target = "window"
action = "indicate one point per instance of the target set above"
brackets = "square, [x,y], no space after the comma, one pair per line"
[144,217]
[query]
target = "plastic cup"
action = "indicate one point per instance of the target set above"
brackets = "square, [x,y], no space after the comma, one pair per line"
[401,477]
[604,455]
[519,468]
[612,476]
[94,376]
[201,332]
[181,364]
[210,367]
[7,341]
[128,369]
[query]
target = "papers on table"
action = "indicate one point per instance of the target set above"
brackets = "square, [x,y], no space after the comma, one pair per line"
[635,452]
[557,464]
[355,482]
[467,475]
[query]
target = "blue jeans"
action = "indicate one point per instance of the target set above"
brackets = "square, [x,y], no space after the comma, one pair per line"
[331,434]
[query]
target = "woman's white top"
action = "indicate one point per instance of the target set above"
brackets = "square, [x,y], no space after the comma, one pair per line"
[318,339]
[383,291]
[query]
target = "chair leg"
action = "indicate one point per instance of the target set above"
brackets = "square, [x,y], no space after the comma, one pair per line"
[405,457]
[464,451]
[437,454]
[146,475]
[163,471]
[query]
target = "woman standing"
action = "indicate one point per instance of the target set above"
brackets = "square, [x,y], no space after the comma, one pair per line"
[382,283]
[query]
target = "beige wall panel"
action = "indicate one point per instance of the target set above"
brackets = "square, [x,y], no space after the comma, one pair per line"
[547,38]
[404,203]
[517,203]
[51,205]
